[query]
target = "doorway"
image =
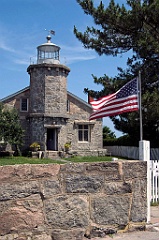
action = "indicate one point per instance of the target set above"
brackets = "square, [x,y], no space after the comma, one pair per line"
[52,139]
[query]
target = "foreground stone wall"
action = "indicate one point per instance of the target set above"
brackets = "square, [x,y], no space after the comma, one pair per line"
[71,201]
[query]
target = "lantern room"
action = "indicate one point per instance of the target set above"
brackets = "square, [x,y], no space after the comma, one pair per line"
[48,52]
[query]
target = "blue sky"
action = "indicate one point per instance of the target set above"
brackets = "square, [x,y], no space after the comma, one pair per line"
[22,29]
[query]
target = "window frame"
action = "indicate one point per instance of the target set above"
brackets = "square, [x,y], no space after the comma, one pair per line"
[21,103]
[68,105]
[83,130]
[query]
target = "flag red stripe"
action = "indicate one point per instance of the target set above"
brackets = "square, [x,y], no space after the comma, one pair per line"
[100,103]
[121,101]
[116,110]
[113,113]
[116,107]
[124,100]
[117,103]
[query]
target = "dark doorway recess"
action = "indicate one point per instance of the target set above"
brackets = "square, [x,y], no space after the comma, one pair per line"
[52,139]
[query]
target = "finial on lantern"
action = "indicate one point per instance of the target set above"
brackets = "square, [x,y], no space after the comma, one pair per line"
[49,37]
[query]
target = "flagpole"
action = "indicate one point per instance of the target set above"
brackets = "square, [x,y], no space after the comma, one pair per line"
[144,153]
[140,107]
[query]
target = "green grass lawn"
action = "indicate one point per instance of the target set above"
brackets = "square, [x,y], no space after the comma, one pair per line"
[89,159]
[27,160]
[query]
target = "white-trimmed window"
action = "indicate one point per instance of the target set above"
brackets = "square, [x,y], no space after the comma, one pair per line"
[24,104]
[83,133]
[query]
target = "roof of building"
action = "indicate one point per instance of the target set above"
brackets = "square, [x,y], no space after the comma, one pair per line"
[79,99]
[14,94]
[27,88]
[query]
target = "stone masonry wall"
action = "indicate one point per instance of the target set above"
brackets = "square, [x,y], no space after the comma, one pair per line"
[81,112]
[71,201]
[48,92]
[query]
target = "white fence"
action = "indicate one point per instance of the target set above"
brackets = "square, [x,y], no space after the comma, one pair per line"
[133,153]
[154,168]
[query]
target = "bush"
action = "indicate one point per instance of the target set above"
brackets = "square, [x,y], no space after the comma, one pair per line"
[109,142]
[26,152]
[35,145]
[121,141]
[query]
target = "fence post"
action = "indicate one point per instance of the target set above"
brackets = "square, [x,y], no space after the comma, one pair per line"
[144,155]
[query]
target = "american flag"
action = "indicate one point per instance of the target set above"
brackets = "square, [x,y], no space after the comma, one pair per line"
[124,100]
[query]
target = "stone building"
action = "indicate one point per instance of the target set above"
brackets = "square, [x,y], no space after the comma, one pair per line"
[51,115]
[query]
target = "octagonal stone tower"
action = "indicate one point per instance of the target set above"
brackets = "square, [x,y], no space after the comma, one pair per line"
[48,96]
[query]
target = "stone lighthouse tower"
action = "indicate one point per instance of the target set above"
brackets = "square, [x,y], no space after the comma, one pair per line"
[48,97]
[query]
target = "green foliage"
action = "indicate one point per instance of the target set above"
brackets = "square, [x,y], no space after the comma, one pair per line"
[121,28]
[35,145]
[109,138]
[118,29]
[1,121]
[107,133]
[154,204]
[67,145]
[26,160]
[89,159]
[110,142]
[126,140]
[130,123]
[10,128]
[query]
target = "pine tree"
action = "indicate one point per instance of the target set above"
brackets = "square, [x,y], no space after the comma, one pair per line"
[118,29]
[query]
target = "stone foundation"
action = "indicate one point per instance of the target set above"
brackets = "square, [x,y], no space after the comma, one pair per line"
[55,155]
[72,201]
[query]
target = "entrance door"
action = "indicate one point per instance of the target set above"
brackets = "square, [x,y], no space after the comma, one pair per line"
[52,139]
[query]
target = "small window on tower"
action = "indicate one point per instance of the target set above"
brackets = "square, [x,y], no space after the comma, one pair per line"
[68,105]
[24,105]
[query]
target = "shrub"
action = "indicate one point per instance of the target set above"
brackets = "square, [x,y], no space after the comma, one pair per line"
[67,146]
[35,145]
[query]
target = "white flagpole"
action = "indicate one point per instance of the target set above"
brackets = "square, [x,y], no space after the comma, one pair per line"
[140,107]
[144,152]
